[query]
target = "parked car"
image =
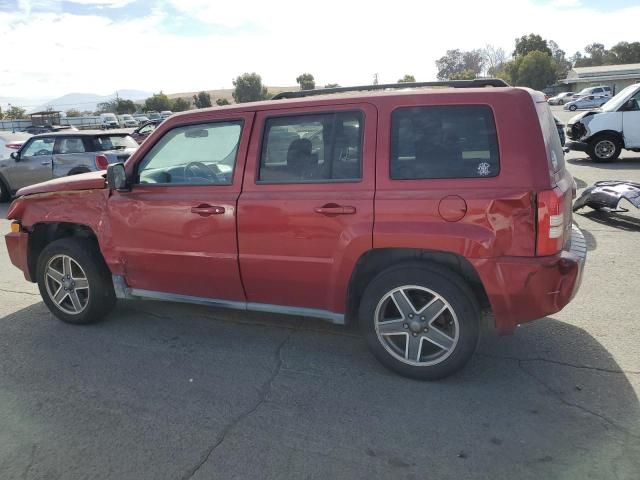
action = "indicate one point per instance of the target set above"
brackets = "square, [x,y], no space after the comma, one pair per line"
[561,98]
[363,218]
[38,129]
[590,101]
[599,90]
[155,117]
[109,120]
[166,114]
[603,133]
[11,142]
[127,121]
[143,131]
[53,155]
[141,118]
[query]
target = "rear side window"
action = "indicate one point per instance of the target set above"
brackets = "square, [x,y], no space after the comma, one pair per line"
[312,148]
[555,154]
[114,142]
[443,142]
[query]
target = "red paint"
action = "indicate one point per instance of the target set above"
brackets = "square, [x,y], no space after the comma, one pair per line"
[297,245]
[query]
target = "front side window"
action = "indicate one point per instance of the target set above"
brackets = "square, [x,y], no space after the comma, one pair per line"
[203,154]
[40,146]
[313,148]
[443,142]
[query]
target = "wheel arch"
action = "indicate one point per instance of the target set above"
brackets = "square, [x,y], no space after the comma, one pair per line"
[44,233]
[374,261]
[612,133]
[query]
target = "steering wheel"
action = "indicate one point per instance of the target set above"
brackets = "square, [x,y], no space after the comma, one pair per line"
[42,152]
[199,170]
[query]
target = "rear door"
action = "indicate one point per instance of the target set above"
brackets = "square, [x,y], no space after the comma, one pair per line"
[306,212]
[70,155]
[34,165]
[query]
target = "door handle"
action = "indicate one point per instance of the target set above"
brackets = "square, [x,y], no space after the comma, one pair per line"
[45,163]
[333,209]
[206,210]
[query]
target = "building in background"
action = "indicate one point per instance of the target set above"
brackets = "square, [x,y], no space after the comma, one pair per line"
[615,76]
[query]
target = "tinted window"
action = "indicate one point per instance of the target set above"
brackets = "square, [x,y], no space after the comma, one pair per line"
[40,146]
[195,154]
[70,145]
[114,142]
[312,148]
[443,142]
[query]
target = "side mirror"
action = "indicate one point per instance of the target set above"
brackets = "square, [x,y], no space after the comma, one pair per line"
[15,156]
[117,177]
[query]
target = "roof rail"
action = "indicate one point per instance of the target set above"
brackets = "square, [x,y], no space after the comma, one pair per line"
[477,83]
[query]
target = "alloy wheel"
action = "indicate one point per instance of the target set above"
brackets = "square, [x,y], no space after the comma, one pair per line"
[67,284]
[605,149]
[416,325]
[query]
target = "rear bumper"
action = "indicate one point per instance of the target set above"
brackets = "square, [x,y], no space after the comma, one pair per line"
[18,248]
[522,289]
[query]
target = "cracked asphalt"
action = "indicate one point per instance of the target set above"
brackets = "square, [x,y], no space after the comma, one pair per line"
[169,391]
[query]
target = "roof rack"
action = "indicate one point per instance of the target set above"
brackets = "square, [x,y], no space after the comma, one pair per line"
[477,83]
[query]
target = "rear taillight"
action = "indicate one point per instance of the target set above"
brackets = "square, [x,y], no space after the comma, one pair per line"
[101,162]
[13,146]
[551,223]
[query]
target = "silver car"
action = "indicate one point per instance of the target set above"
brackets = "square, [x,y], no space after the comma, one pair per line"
[53,155]
[590,101]
[561,98]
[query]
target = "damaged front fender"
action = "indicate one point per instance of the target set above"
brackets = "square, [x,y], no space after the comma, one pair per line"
[607,195]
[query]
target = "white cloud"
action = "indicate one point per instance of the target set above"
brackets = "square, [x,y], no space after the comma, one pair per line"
[343,42]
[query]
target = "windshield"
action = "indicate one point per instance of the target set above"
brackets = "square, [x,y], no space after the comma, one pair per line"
[616,102]
[115,142]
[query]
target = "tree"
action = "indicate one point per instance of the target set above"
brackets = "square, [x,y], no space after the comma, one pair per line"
[407,79]
[536,70]
[118,106]
[202,100]
[180,105]
[249,88]
[222,101]
[625,52]
[15,113]
[463,75]
[306,81]
[107,107]
[456,63]
[331,85]
[531,43]
[158,102]
[72,112]
[494,58]
[560,58]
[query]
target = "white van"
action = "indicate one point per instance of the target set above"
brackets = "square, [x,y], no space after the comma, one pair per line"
[127,121]
[109,120]
[604,132]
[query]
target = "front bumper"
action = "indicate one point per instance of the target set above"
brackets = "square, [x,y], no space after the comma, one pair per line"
[18,248]
[577,146]
[522,289]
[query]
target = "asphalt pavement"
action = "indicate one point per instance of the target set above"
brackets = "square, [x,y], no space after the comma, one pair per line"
[169,391]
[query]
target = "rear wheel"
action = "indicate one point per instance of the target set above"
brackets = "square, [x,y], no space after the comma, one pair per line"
[560,102]
[604,148]
[74,281]
[420,320]
[573,108]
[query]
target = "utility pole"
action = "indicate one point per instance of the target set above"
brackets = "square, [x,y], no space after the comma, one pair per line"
[375,79]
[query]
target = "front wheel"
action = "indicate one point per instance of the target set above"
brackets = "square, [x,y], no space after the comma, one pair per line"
[604,148]
[74,281]
[573,108]
[421,321]
[560,102]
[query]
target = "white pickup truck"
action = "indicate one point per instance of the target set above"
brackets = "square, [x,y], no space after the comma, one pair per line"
[605,131]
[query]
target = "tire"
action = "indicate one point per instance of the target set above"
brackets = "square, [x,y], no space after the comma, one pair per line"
[560,102]
[5,195]
[452,320]
[573,108]
[88,268]
[604,148]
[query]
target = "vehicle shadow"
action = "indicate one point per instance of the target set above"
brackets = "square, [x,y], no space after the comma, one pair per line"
[580,183]
[168,383]
[620,164]
[589,238]
[621,221]
[4,208]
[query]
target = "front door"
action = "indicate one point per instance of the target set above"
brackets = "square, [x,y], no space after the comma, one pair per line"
[631,123]
[175,231]
[306,212]
[34,165]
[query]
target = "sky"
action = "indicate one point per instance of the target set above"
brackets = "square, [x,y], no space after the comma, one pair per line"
[50,47]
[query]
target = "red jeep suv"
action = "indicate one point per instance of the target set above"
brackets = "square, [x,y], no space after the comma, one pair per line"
[409,210]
